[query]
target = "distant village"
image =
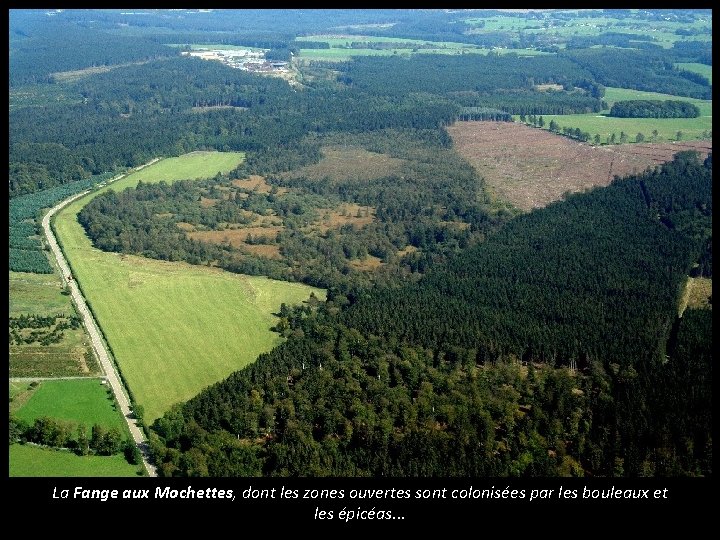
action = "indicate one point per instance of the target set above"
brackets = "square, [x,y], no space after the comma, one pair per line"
[245,59]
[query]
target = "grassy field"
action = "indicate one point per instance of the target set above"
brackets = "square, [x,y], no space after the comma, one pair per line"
[75,400]
[340,47]
[702,69]
[620,94]
[28,460]
[174,328]
[37,293]
[659,32]
[190,166]
[20,393]
[667,128]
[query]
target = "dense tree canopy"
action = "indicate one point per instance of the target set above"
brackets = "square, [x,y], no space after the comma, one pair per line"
[651,108]
[457,339]
[461,373]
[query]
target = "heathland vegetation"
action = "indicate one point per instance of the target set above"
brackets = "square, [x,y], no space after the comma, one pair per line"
[459,328]
[170,326]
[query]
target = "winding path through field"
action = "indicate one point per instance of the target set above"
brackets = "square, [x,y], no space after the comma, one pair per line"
[108,367]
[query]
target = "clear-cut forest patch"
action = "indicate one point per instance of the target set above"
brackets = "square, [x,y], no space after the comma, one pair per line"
[532,168]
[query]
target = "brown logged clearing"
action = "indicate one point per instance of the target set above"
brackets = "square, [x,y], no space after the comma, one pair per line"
[699,292]
[532,167]
[237,239]
[349,163]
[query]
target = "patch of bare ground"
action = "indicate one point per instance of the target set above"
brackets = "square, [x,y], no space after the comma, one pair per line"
[546,87]
[457,225]
[72,76]
[257,183]
[533,167]
[368,264]
[407,250]
[183,226]
[349,163]
[215,108]
[346,214]
[205,203]
[696,295]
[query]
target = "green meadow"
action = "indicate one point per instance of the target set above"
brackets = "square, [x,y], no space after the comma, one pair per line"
[174,328]
[78,401]
[39,294]
[621,94]
[81,401]
[660,32]
[30,460]
[340,48]
[667,128]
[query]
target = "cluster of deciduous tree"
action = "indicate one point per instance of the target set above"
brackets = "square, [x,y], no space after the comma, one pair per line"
[654,108]
[63,434]
[465,372]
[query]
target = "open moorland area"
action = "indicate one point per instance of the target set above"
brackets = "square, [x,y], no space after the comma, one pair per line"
[470,243]
[167,323]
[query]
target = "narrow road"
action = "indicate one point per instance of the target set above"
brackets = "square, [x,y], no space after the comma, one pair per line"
[108,367]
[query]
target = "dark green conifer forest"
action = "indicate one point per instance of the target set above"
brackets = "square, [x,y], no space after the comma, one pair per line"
[461,336]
